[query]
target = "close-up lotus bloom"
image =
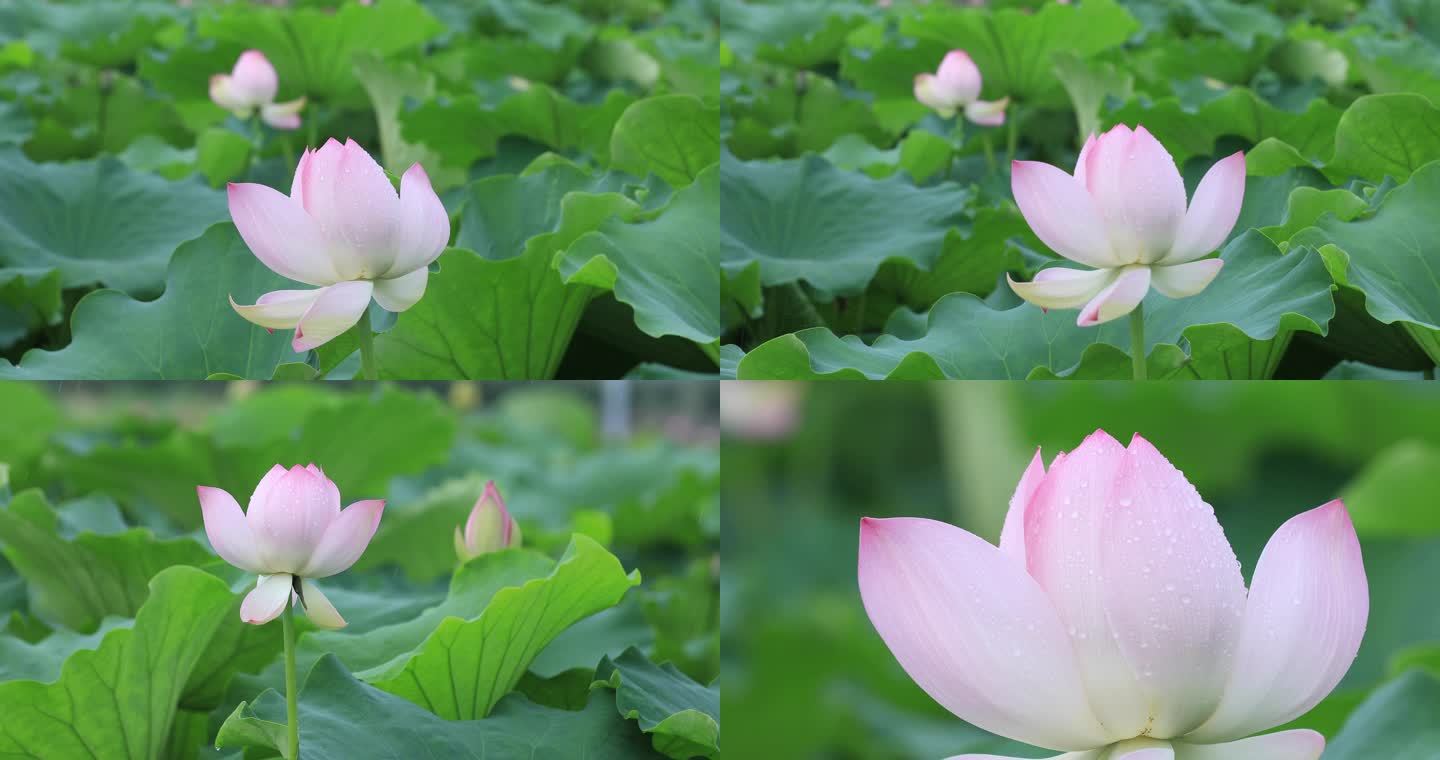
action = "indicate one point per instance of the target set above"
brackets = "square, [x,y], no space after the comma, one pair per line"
[1113,621]
[956,85]
[344,229]
[1123,212]
[292,533]
[252,85]
[489,528]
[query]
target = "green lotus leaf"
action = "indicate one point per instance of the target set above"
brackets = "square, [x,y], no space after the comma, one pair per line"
[674,137]
[389,84]
[77,582]
[42,660]
[362,442]
[920,154]
[33,417]
[1238,111]
[1383,136]
[1241,24]
[1238,327]
[464,130]
[1016,48]
[119,701]
[684,610]
[1395,65]
[1384,501]
[806,220]
[183,72]
[313,50]
[15,124]
[471,588]
[800,33]
[664,265]
[498,308]
[100,33]
[342,718]
[189,332]
[465,667]
[681,716]
[1389,258]
[548,24]
[103,115]
[887,71]
[797,116]
[132,221]
[1397,721]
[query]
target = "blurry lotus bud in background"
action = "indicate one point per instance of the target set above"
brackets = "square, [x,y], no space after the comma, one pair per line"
[760,410]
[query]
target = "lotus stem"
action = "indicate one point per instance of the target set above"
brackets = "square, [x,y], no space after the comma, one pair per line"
[292,694]
[955,144]
[367,347]
[1137,341]
[1012,138]
[257,138]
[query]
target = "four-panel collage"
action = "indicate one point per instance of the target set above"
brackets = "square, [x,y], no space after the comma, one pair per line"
[493,379]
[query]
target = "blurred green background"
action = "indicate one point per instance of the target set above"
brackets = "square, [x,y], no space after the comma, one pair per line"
[807,676]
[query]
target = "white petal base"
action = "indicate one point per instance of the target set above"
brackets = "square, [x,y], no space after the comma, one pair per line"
[1096,754]
[317,607]
[267,600]
[1062,287]
[1302,744]
[1284,745]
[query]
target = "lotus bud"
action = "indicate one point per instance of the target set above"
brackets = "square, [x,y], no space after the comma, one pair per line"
[490,528]
[250,86]
[956,85]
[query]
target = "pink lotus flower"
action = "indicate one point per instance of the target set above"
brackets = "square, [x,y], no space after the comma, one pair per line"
[293,532]
[489,528]
[1123,212]
[252,85]
[956,85]
[1113,618]
[344,229]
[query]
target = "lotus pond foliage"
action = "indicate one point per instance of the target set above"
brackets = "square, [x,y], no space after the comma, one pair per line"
[1301,133]
[124,635]
[505,189]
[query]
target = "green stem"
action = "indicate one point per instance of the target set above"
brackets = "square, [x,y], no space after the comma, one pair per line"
[955,143]
[367,347]
[1012,139]
[1137,341]
[989,151]
[292,694]
[257,137]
